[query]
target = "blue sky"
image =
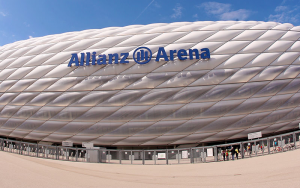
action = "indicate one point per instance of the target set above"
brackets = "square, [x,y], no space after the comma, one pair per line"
[21,19]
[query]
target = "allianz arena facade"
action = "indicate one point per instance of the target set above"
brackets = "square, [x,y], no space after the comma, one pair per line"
[55,89]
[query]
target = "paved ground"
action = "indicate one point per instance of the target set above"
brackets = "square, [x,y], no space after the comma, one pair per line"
[278,170]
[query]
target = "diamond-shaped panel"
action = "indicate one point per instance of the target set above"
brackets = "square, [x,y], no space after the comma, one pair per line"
[250,83]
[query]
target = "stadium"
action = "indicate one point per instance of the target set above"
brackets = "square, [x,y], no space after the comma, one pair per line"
[199,82]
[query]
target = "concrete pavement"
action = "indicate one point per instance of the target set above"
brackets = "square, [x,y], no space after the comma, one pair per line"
[277,170]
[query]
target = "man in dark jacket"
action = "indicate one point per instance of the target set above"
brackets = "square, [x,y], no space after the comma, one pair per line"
[232,152]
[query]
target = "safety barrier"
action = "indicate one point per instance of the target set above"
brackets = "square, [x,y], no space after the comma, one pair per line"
[224,152]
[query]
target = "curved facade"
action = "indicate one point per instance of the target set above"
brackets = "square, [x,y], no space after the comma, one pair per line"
[250,83]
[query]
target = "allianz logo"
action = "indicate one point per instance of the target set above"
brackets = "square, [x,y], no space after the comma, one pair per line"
[141,55]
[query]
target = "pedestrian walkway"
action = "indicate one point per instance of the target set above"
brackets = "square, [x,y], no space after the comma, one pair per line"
[280,170]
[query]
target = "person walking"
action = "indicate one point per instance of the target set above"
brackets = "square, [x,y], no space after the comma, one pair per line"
[226,153]
[237,153]
[249,149]
[223,154]
[232,153]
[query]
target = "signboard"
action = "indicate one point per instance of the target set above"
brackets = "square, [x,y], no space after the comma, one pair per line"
[281,143]
[67,143]
[161,155]
[254,135]
[210,152]
[87,144]
[255,148]
[184,154]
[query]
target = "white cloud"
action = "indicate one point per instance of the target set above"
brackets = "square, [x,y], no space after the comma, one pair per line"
[30,36]
[216,8]
[156,4]
[224,11]
[283,18]
[285,14]
[281,8]
[177,11]
[26,24]
[195,16]
[2,13]
[240,14]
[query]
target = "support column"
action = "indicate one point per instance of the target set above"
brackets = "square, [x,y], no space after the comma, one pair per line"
[76,155]
[256,149]
[203,155]
[294,140]
[216,153]
[56,152]
[119,154]
[281,147]
[143,155]
[242,150]
[167,156]
[20,152]
[191,155]
[268,143]
[37,150]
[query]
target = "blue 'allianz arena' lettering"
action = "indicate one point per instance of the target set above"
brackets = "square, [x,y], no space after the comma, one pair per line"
[141,55]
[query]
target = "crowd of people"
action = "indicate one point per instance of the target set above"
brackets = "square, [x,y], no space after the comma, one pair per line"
[233,152]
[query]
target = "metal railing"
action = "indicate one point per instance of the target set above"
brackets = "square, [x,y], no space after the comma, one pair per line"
[224,152]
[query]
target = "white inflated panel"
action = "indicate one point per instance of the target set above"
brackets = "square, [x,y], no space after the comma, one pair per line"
[250,83]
